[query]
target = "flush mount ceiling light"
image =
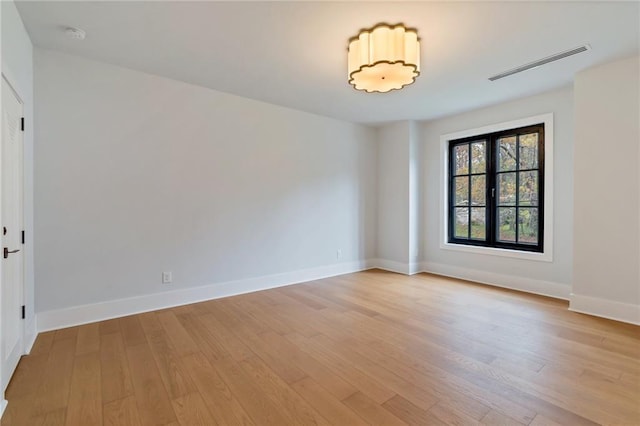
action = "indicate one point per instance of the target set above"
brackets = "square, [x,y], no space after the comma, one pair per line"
[383,58]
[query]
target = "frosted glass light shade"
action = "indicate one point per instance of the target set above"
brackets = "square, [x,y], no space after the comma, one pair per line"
[383,58]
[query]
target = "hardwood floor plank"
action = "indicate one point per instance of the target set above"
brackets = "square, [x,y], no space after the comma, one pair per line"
[409,413]
[450,415]
[192,411]
[253,399]
[248,334]
[208,343]
[325,403]
[227,313]
[306,300]
[493,305]
[66,333]
[132,333]
[299,317]
[181,341]
[320,373]
[88,339]
[167,357]
[291,404]
[25,380]
[365,383]
[401,386]
[370,411]
[515,366]
[222,403]
[152,399]
[53,391]
[625,391]
[263,315]
[494,418]
[21,411]
[304,291]
[541,420]
[372,347]
[110,326]
[440,384]
[121,412]
[470,398]
[504,385]
[52,418]
[236,348]
[43,343]
[85,398]
[115,375]
[527,339]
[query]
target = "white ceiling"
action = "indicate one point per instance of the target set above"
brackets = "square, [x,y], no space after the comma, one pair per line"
[294,53]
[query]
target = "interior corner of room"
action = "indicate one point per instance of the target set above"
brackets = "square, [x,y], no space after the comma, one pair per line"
[146,190]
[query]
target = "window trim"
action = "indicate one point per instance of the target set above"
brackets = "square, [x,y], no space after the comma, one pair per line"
[547,250]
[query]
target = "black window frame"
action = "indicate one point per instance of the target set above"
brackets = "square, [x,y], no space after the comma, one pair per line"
[491,202]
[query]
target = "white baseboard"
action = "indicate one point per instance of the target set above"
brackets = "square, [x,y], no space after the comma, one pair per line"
[398,267]
[3,406]
[415,268]
[392,266]
[77,315]
[84,314]
[529,285]
[31,332]
[625,312]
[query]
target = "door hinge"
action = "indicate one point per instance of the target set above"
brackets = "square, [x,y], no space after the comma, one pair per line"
[22,237]
[23,312]
[22,124]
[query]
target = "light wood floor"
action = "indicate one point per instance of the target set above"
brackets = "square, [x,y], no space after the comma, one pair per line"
[366,348]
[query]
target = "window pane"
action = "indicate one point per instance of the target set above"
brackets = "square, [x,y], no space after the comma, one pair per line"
[528,225]
[507,224]
[462,223]
[478,190]
[507,153]
[495,191]
[528,189]
[507,189]
[529,151]
[462,191]
[478,223]
[478,157]
[461,158]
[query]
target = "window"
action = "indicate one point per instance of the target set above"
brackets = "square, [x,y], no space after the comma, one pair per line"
[496,189]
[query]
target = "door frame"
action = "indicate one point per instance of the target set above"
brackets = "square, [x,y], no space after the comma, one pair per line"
[22,347]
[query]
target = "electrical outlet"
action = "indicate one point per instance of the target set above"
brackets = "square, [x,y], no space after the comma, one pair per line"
[166,278]
[338,254]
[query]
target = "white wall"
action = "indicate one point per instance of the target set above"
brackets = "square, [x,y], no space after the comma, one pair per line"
[606,226]
[138,174]
[552,278]
[399,199]
[393,195]
[17,67]
[415,196]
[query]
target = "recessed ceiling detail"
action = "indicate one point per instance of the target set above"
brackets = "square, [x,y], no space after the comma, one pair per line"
[383,58]
[539,62]
[75,33]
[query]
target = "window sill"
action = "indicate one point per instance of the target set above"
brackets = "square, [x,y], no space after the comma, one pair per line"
[491,251]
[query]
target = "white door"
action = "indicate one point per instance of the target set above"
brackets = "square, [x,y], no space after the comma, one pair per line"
[11,218]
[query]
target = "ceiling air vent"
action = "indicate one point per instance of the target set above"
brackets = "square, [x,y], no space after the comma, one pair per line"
[542,61]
